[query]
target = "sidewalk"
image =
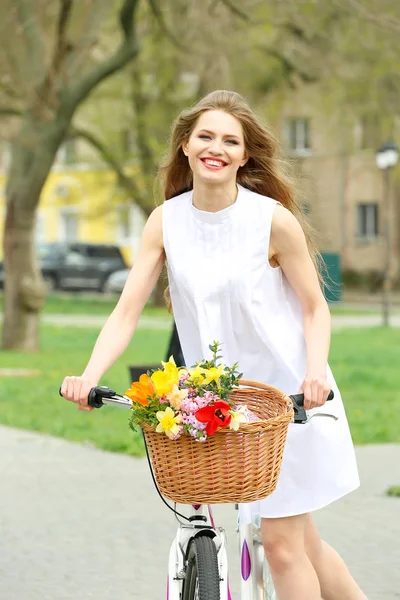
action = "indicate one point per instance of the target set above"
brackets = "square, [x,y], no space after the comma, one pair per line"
[97,321]
[77,523]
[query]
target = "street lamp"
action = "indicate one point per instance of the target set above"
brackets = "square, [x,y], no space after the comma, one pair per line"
[386,158]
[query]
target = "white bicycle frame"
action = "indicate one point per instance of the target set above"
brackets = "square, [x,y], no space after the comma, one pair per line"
[256,582]
[177,553]
[255,579]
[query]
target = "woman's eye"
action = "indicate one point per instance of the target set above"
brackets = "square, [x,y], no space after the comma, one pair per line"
[204,137]
[234,142]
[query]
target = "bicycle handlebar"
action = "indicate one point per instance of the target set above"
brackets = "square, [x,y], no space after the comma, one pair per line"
[100,395]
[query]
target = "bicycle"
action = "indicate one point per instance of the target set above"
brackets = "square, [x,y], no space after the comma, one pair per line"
[198,563]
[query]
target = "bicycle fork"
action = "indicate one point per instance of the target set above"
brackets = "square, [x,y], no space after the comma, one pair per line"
[253,584]
[177,557]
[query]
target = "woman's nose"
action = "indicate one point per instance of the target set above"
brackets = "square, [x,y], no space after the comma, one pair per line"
[216,147]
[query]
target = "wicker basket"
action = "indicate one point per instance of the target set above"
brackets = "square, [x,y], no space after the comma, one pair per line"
[230,466]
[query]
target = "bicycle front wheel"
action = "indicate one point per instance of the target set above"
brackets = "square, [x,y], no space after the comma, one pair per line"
[202,575]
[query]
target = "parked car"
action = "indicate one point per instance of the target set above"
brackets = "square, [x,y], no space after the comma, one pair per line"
[115,283]
[77,265]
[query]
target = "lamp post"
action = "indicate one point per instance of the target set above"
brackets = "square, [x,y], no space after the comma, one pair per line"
[386,158]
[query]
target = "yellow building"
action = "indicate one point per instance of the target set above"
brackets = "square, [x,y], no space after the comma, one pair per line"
[83,203]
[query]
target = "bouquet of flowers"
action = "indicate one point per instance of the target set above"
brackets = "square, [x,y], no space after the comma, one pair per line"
[196,401]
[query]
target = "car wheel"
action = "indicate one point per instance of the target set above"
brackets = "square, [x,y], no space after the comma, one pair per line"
[50,282]
[103,284]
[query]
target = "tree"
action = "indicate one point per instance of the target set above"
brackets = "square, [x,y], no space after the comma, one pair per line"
[55,63]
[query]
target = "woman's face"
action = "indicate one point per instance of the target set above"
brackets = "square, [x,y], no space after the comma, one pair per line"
[215,149]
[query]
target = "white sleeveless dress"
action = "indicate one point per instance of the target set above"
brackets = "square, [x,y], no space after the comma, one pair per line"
[223,288]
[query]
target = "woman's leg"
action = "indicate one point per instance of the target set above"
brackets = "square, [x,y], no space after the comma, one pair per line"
[292,572]
[334,577]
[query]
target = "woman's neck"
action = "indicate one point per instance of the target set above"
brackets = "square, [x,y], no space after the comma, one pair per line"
[214,197]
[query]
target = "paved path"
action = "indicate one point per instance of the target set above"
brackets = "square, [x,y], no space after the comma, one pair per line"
[338,321]
[77,523]
[98,321]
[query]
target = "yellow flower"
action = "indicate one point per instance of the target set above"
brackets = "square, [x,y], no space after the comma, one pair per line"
[168,422]
[197,375]
[201,376]
[213,374]
[171,363]
[176,396]
[165,380]
[238,417]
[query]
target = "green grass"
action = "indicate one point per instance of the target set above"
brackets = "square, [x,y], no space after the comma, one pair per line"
[71,303]
[393,491]
[365,364]
[93,304]
[33,402]
[356,310]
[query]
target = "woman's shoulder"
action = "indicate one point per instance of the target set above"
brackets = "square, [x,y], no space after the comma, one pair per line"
[178,201]
[258,202]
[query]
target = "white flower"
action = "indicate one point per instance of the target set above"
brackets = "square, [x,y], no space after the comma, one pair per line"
[176,397]
[238,417]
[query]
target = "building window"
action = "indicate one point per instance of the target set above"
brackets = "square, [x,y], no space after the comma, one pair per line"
[297,135]
[68,223]
[367,221]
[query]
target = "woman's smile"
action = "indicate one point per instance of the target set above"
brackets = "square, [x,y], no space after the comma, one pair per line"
[215,164]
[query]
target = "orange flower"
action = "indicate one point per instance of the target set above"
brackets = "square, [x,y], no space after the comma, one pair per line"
[140,390]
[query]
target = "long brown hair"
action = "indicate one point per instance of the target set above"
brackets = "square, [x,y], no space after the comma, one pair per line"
[265,172]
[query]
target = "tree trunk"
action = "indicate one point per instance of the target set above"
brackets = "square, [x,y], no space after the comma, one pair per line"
[24,290]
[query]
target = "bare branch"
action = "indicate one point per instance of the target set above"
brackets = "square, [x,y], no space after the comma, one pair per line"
[126,51]
[8,89]
[6,111]
[377,18]
[126,182]
[33,37]
[161,21]
[139,103]
[235,10]
[61,46]
[289,66]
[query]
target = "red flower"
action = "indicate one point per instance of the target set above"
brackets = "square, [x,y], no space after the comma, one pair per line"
[216,416]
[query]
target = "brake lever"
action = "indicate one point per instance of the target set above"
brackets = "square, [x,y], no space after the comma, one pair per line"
[300,415]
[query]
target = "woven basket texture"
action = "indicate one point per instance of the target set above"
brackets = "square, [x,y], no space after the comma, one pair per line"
[230,466]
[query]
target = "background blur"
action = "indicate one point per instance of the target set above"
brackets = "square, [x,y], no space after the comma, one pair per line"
[88,92]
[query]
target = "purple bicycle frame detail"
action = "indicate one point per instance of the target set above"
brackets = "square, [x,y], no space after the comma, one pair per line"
[245,561]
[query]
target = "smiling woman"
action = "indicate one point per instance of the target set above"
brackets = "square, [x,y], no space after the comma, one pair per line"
[242,269]
[215,152]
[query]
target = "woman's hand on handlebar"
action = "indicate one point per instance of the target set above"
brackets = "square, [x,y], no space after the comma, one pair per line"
[316,390]
[76,389]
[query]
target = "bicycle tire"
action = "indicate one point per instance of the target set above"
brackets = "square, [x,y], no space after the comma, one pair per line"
[202,575]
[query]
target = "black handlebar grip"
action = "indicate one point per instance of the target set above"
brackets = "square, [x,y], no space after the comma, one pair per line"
[299,398]
[94,400]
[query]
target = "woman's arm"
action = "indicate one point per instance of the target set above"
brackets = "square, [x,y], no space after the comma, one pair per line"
[121,324]
[288,248]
